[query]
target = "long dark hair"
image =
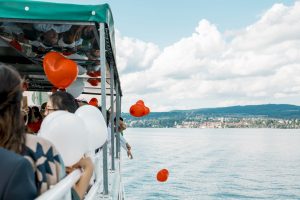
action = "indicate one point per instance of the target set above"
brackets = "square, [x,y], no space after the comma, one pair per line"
[64,101]
[12,127]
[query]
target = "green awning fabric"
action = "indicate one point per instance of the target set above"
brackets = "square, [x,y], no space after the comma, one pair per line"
[39,10]
[50,11]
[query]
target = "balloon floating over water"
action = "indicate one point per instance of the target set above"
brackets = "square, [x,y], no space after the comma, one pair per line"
[139,109]
[162,175]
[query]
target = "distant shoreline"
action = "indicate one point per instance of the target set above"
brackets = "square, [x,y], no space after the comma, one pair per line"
[278,116]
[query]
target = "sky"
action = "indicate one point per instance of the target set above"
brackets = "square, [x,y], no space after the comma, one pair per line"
[191,54]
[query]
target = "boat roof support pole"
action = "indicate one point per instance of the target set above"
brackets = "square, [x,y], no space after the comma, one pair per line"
[103,100]
[112,83]
[118,112]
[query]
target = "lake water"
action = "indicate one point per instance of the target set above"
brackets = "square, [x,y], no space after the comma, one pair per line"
[213,164]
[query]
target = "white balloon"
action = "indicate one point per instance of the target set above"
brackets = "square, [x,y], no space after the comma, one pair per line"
[47,120]
[76,88]
[68,134]
[95,124]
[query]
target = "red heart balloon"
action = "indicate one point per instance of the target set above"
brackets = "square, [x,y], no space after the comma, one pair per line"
[93,81]
[162,175]
[94,74]
[93,102]
[137,110]
[50,59]
[61,72]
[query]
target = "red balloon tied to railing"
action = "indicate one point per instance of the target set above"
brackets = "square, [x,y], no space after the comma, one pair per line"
[93,81]
[93,102]
[162,175]
[61,72]
[94,74]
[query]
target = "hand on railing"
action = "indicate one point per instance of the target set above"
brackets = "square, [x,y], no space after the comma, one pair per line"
[87,166]
[129,154]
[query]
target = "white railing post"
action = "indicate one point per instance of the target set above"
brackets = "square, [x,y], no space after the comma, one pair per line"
[103,100]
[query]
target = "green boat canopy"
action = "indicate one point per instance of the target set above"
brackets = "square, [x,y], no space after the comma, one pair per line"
[50,11]
[30,29]
[54,11]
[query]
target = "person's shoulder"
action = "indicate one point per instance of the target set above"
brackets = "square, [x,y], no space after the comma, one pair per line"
[10,163]
[17,177]
[9,156]
[35,144]
[34,139]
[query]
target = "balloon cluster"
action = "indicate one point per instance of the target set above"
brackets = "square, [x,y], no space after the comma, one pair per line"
[80,133]
[139,109]
[60,71]
[162,175]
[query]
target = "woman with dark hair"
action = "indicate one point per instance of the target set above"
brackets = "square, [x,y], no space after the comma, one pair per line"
[16,172]
[61,101]
[42,155]
[11,123]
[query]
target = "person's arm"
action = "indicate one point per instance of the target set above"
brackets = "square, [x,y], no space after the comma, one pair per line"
[82,185]
[123,142]
[22,182]
[126,146]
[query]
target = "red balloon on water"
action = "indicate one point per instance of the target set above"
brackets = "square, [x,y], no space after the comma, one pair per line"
[162,175]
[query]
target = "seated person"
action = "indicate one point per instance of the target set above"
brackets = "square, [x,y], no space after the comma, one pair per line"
[58,28]
[65,101]
[71,38]
[17,177]
[42,155]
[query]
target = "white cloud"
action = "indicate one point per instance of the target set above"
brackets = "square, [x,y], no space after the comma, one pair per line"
[258,64]
[133,54]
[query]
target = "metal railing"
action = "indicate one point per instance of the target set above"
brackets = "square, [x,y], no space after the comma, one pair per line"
[62,190]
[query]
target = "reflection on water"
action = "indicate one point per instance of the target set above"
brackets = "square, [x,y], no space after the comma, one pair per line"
[213,164]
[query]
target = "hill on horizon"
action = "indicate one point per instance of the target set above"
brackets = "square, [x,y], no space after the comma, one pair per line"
[281,111]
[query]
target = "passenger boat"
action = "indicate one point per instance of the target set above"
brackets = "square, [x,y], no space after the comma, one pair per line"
[26,35]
